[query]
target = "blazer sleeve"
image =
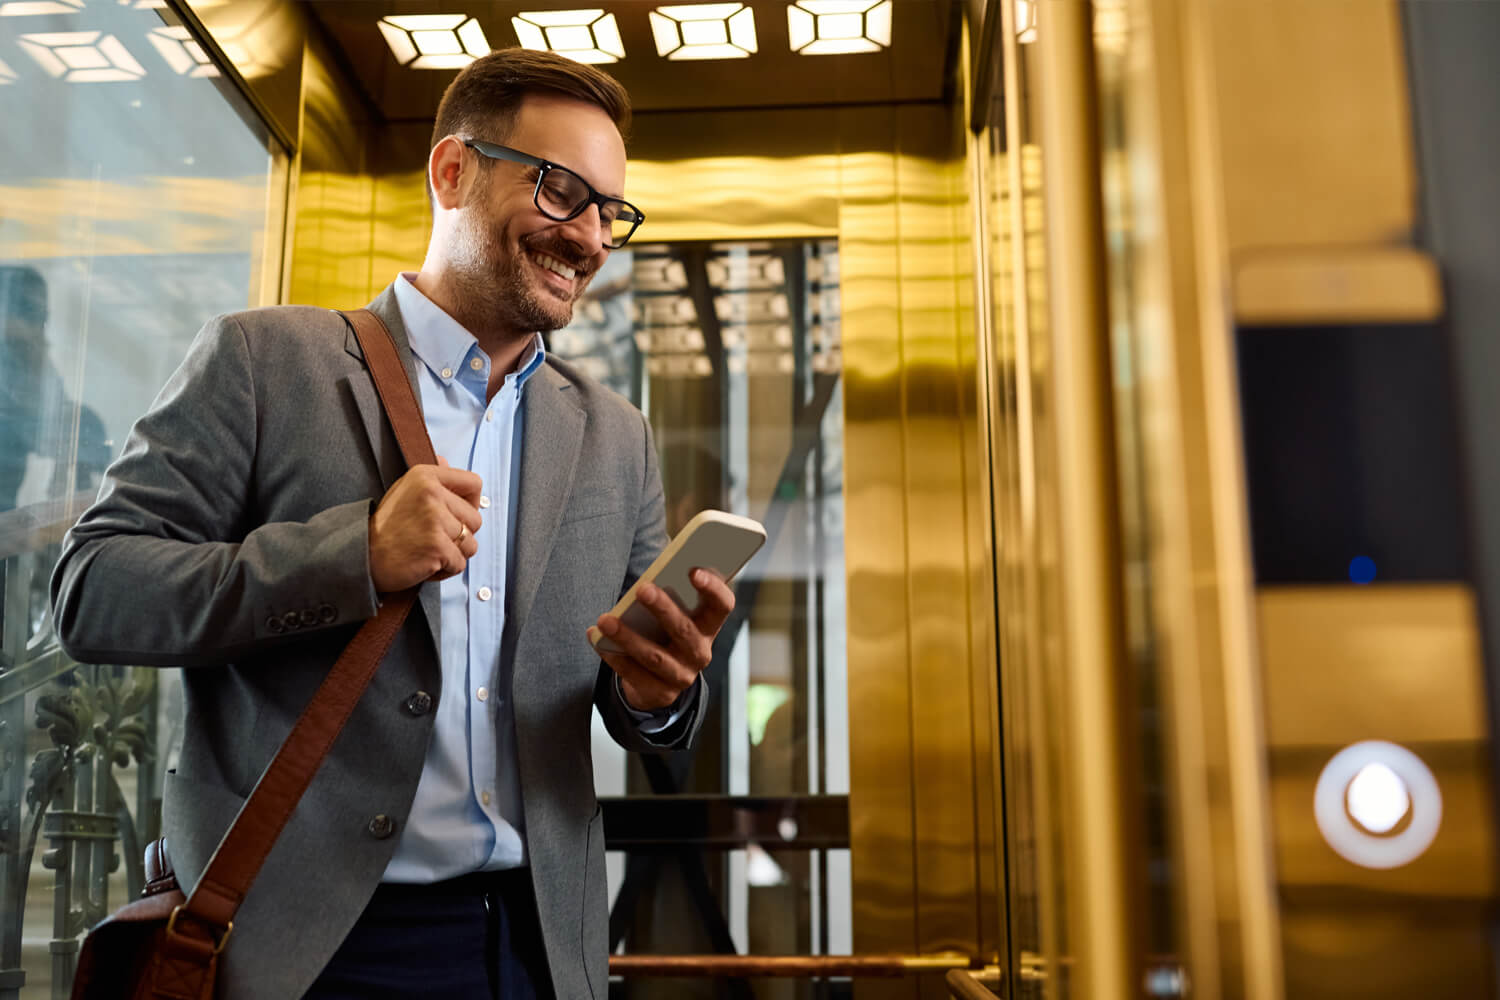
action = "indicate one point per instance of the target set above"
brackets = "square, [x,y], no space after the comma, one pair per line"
[650,539]
[168,568]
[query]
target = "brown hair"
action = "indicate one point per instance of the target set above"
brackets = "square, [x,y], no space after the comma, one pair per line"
[482,101]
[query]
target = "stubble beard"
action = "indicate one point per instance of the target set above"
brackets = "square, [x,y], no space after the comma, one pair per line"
[495,292]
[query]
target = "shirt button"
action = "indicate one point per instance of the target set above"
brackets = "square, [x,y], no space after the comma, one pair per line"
[489,418]
[482,694]
[447,373]
[485,593]
[476,364]
[484,503]
[420,703]
[381,827]
[485,798]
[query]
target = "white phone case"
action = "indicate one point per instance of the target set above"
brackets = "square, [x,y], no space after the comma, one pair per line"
[711,540]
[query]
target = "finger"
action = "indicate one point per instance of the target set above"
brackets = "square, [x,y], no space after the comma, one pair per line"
[443,462]
[715,600]
[689,640]
[463,513]
[647,691]
[461,481]
[658,660]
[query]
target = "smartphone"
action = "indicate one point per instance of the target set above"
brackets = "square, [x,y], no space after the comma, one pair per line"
[711,540]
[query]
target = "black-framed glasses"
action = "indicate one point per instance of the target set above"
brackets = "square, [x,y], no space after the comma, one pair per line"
[561,195]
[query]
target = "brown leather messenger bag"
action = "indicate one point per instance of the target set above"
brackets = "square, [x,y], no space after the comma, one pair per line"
[166,945]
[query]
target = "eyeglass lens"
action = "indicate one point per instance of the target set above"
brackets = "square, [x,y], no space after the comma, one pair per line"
[562,194]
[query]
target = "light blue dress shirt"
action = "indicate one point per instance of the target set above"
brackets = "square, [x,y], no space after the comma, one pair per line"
[466,815]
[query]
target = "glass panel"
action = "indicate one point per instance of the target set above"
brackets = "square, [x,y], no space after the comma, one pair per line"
[134,200]
[733,352]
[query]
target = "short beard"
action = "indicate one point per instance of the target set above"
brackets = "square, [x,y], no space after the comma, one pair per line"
[493,289]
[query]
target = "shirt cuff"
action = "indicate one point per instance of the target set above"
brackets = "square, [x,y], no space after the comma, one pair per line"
[661,719]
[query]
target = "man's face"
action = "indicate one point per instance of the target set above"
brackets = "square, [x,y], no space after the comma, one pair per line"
[526,268]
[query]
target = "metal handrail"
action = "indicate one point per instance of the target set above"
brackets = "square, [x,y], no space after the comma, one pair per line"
[964,985]
[788,966]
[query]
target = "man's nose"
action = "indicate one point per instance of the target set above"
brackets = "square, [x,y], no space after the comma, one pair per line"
[586,230]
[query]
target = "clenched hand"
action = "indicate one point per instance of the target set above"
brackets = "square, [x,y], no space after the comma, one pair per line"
[424,527]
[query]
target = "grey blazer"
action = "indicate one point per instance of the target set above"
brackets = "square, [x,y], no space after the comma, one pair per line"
[231,538]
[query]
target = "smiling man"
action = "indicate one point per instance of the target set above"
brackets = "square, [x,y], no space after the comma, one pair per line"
[451,844]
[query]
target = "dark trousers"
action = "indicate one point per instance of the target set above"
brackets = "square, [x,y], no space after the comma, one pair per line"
[470,938]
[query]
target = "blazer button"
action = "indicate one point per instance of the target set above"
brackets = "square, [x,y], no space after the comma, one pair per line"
[381,827]
[420,703]
[309,617]
[327,614]
[273,624]
[291,620]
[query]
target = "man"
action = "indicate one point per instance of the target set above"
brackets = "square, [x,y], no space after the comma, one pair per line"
[451,843]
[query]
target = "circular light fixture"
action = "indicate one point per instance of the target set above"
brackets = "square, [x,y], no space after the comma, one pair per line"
[1365,790]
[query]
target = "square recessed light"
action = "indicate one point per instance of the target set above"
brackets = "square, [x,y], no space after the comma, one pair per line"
[82,56]
[704,31]
[27,8]
[586,36]
[434,41]
[831,27]
[181,51]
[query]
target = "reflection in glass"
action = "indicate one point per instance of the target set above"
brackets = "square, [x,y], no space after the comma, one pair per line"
[133,200]
[733,352]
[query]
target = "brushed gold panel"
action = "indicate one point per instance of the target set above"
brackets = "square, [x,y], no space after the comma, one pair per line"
[1346,663]
[1349,285]
[1314,137]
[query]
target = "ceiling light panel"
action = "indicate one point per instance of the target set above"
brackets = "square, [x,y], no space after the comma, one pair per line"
[833,27]
[586,36]
[82,56]
[434,41]
[27,8]
[181,51]
[704,31]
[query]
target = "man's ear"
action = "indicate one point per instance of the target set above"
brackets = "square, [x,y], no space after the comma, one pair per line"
[447,169]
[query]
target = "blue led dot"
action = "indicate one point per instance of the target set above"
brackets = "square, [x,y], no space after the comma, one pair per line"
[1362,569]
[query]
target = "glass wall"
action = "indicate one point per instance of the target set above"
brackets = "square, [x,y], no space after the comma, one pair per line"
[137,198]
[732,349]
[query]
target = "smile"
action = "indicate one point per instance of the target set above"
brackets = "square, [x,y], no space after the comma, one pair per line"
[554,265]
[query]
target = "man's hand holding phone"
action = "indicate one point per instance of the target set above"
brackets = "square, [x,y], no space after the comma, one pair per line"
[654,675]
[660,635]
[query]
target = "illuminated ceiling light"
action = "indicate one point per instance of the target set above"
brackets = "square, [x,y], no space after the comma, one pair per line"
[434,41]
[24,8]
[7,75]
[830,27]
[154,4]
[82,56]
[181,51]
[704,31]
[1025,21]
[586,36]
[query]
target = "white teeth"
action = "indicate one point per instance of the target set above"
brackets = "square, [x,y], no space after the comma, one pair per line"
[554,265]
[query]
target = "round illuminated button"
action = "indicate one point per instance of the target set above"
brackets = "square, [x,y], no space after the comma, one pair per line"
[1366,790]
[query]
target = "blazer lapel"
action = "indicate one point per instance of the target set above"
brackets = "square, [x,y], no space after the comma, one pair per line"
[551,442]
[382,441]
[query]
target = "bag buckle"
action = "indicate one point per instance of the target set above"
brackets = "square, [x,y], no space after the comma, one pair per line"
[218,944]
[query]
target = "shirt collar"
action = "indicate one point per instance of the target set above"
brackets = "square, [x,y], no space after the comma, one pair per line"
[442,343]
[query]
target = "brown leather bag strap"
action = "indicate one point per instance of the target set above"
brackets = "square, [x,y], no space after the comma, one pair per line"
[245,846]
